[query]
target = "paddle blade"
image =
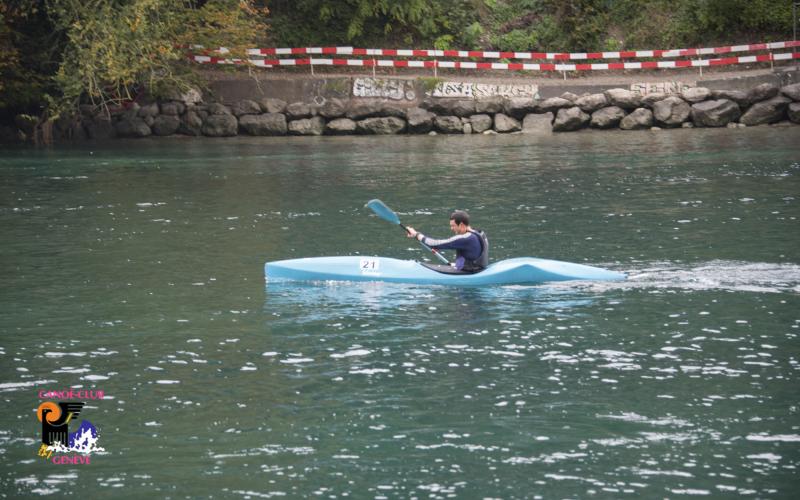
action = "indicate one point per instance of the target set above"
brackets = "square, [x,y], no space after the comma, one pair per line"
[382,211]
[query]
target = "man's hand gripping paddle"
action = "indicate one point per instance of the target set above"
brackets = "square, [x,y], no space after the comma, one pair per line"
[386,213]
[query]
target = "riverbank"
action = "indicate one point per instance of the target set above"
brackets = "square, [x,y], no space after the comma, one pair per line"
[287,103]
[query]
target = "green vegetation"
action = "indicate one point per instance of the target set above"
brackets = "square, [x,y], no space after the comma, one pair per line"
[58,54]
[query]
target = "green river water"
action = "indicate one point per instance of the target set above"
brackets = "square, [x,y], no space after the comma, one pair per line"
[136,268]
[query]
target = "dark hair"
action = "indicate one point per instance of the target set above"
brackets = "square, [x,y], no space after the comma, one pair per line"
[460,217]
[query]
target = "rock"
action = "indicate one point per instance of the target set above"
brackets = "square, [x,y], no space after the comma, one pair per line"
[538,123]
[762,92]
[490,105]
[793,112]
[448,124]
[298,110]
[792,91]
[639,119]
[133,127]
[358,110]
[504,123]
[220,125]
[264,124]
[569,119]
[715,113]
[191,124]
[553,105]
[340,126]
[462,107]
[245,107]
[333,108]
[307,126]
[26,123]
[99,127]
[192,95]
[383,125]
[608,117]
[518,107]
[392,109]
[148,110]
[671,112]
[695,94]
[650,99]
[480,123]
[216,108]
[687,125]
[591,103]
[467,128]
[623,98]
[420,121]
[769,111]
[131,112]
[149,120]
[173,108]
[569,96]
[165,125]
[736,96]
[271,105]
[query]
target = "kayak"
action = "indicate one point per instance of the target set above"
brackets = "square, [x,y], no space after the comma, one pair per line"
[522,270]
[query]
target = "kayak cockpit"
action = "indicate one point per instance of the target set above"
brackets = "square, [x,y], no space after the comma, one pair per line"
[445,269]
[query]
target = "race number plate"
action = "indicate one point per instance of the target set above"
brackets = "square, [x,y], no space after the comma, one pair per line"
[370,266]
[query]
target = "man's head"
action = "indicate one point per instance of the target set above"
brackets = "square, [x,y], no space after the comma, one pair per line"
[459,222]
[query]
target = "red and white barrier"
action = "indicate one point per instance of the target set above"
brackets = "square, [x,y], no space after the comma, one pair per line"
[685,63]
[480,54]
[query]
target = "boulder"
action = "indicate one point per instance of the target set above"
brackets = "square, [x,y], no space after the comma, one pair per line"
[298,110]
[553,104]
[638,119]
[216,108]
[173,108]
[448,124]
[736,96]
[467,128]
[793,112]
[608,117]
[762,92]
[333,108]
[462,107]
[392,109]
[420,121]
[792,92]
[133,127]
[271,105]
[715,113]
[148,110]
[245,107]
[264,124]
[518,107]
[99,127]
[383,125]
[671,112]
[223,125]
[480,123]
[358,110]
[307,126]
[191,124]
[489,105]
[570,97]
[623,98]
[165,125]
[340,126]
[650,99]
[569,119]
[538,123]
[769,111]
[504,123]
[696,94]
[592,102]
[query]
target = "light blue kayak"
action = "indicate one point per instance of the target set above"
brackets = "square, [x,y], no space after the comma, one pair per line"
[523,270]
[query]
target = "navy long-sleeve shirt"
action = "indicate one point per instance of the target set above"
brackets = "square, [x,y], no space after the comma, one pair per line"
[467,246]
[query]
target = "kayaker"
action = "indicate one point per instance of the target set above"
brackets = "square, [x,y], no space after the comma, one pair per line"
[471,246]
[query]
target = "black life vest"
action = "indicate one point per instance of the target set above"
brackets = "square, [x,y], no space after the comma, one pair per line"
[482,262]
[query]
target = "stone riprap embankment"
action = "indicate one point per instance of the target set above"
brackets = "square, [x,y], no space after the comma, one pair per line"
[612,109]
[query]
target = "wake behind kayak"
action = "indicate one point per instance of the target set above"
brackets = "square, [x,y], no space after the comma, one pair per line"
[523,270]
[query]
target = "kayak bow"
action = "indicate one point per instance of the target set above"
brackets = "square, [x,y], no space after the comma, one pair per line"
[523,270]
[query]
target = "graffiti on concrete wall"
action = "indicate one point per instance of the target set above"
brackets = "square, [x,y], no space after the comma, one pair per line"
[471,90]
[395,89]
[660,87]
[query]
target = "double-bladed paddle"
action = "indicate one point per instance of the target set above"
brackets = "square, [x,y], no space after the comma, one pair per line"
[386,213]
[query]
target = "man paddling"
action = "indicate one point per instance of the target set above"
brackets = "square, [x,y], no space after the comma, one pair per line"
[471,246]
